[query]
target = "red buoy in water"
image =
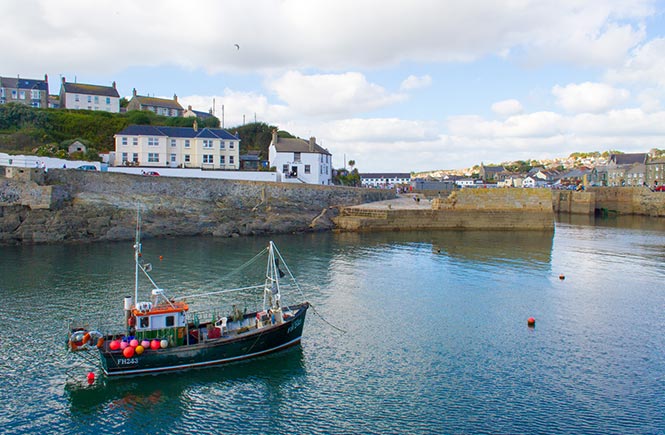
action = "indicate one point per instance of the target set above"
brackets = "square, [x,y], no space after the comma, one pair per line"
[91,377]
[562,277]
[531,322]
[161,258]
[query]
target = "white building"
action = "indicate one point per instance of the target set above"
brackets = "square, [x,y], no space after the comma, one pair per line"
[384,180]
[89,97]
[300,161]
[177,147]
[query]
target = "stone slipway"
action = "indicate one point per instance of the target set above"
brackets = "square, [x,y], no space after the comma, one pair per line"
[466,209]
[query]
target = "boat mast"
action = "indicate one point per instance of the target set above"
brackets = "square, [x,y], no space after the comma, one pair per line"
[137,254]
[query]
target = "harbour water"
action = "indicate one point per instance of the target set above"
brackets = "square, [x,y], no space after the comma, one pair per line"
[436,335]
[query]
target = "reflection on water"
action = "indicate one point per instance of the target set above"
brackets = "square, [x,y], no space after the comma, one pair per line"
[436,335]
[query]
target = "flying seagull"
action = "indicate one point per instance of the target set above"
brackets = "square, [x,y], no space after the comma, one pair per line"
[237,46]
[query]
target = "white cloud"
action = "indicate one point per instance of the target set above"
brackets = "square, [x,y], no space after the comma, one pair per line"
[589,97]
[507,107]
[414,82]
[103,36]
[331,94]
[645,66]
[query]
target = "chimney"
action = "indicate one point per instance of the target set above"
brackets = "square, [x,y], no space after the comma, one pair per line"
[195,126]
[275,138]
[113,84]
[134,92]
[46,78]
[189,108]
[312,142]
[175,98]
[64,80]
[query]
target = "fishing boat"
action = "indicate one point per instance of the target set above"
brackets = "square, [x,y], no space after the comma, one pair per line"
[162,334]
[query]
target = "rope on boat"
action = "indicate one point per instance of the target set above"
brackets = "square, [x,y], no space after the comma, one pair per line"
[218,292]
[324,319]
[295,281]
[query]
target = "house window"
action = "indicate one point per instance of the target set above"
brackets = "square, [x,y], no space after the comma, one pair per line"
[13,94]
[307,169]
[207,158]
[186,143]
[153,157]
[170,321]
[96,99]
[135,141]
[124,140]
[296,157]
[186,158]
[21,95]
[76,97]
[135,157]
[285,169]
[153,141]
[231,144]
[221,145]
[173,141]
[173,158]
[124,157]
[108,100]
[222,161]
[144,321]
[89,98]
[207,143]
[34,94]
[230,160]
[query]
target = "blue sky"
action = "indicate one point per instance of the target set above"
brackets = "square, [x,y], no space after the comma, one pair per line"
[395,86]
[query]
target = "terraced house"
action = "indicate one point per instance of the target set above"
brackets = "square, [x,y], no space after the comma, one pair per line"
[89,97]
[29,92]
[177,147]
[160,106]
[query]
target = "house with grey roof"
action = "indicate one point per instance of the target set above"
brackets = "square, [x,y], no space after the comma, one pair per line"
[177,147]
[300,161]
[191,113]
[492,173]
[160,106]
[83,96]
[29,92]
[627,169]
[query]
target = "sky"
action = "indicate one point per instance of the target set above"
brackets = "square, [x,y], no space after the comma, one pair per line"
[396,86]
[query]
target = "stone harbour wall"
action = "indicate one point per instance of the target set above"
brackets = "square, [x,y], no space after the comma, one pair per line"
[466,209]
[76,205]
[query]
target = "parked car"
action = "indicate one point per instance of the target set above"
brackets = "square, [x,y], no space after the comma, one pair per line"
[87,168]
[660,188]
[151,173]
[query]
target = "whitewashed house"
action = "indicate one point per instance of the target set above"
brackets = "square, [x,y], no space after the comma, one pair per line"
[177,147]
[89,97]
[300,161]
[385,180]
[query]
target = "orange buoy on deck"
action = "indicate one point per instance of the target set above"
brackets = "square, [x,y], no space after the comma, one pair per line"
[91,377]
[531,322]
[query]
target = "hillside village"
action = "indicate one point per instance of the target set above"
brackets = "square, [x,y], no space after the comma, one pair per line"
[200,148]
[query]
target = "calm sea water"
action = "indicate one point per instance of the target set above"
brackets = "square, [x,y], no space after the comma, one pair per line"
[436,335]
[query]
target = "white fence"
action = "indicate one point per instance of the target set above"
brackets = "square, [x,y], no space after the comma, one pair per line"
[198,173]
[22,161]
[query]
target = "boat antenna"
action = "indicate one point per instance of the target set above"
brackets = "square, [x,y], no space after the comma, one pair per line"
[137,253]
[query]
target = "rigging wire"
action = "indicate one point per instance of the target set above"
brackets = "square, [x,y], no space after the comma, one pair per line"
[293,278]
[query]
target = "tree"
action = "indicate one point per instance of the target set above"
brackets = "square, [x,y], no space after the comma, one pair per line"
[352,163]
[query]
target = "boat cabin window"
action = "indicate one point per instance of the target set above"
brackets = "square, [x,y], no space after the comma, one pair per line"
[144,322]
[170,320]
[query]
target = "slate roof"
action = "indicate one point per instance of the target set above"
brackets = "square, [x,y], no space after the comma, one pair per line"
[288,145]
[158,102]
[21,83]
[82,88]
[179,132]
[628,158]
[493,169]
